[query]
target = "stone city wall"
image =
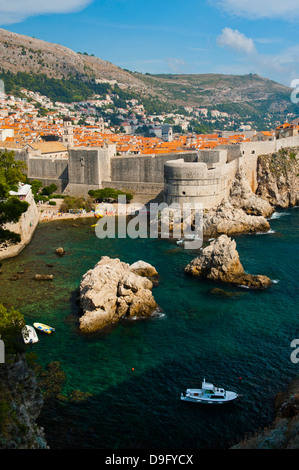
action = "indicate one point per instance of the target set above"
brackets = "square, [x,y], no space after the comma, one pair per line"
[144,168]
[145,175]
[208,180]
[87,169]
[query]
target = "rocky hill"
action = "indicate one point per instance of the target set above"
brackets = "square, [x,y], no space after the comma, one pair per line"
[21,53]
[249,94]
[214,89]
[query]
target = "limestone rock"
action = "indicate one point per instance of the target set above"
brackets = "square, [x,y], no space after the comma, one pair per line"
[220,262]
[43,277]
[111,291]
[60,251]
[241,196]
[278,178]
[229,220]
[242,212]
[143,269]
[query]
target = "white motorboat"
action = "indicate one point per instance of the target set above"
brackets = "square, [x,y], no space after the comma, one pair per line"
[208,394]
[188,238]
[29,334]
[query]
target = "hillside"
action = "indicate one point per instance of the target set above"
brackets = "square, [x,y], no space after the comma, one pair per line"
[212,89]
[21,53]
[248,96]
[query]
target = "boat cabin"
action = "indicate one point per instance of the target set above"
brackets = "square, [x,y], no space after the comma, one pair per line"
[209,389]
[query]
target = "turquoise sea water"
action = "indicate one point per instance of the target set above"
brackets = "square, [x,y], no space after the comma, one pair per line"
[137,371]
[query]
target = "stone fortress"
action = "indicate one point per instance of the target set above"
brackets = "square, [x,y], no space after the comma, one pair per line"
[202,176]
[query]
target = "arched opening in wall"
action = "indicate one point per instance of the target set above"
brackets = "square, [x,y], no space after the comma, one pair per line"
[183,193]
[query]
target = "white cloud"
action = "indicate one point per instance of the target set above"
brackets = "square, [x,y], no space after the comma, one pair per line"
[18,10]
[253,9]
[174,64]
[237,41]
[282,66]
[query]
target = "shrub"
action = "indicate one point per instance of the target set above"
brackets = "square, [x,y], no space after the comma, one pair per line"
[76,203]
[108,194]
[48,190]
[11,324]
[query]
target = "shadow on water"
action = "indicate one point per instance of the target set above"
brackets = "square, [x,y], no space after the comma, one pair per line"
[127,427]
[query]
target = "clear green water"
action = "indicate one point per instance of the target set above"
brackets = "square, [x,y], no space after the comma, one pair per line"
[200,335]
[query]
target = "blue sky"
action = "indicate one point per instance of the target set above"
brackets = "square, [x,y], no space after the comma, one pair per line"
[170,36]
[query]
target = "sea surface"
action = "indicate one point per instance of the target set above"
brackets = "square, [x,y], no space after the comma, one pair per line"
[237,338]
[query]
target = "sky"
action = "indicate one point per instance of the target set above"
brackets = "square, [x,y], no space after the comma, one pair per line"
[170,36]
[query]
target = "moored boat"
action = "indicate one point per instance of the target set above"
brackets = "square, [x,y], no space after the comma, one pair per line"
[188,238]
[44,328]
[208,394]
[29,334]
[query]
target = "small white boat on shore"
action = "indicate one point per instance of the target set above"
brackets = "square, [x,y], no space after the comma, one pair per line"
[208,394]
[29,335]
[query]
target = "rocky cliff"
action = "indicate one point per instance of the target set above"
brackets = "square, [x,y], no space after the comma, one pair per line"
[20,405]
[283,433]
[278,178]
[242,212]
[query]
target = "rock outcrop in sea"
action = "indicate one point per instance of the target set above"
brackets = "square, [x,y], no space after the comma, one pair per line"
[112,290]
[242,212]
[220,262]
[60,251]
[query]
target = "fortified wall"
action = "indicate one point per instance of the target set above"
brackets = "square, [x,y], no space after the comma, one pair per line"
[143,175]
[208,179]
[202,176]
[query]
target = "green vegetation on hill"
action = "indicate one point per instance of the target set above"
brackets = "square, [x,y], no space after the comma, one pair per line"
[247,99]
[75,90]
[65,90]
